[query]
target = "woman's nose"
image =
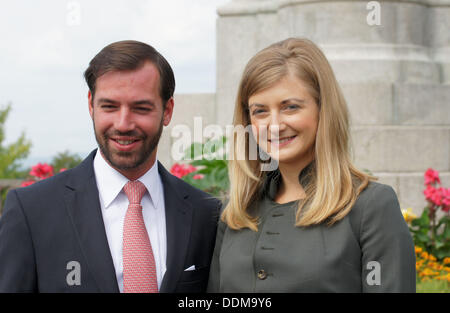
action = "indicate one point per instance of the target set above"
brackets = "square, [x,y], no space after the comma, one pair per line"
[276,125]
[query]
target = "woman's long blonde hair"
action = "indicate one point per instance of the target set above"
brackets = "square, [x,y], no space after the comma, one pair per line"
[334,183]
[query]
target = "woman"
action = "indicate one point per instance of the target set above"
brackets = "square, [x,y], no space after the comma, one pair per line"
[316,223]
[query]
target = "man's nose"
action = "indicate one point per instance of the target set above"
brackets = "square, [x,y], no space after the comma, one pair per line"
[124,120]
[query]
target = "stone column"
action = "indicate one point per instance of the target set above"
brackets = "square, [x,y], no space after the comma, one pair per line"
[395,75]
[439,36]
[243,28]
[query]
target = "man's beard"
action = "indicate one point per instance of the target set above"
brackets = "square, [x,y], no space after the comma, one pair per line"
[128,159]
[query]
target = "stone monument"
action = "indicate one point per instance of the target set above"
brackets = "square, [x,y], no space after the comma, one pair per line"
[391,58]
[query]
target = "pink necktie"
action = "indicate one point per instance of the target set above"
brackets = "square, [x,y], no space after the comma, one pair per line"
[139,269]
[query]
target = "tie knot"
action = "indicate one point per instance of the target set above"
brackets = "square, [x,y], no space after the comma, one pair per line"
[134,190]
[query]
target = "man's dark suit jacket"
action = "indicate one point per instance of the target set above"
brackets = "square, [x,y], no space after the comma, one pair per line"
[58,220]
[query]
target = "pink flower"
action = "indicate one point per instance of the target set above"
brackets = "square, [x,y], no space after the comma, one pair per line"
[436,198]
[431,177]
[63,169]
[41,171]
[27,183]
[434,195]
[180,170]
[176,170]
[198,176]
[429,192]
[446,199]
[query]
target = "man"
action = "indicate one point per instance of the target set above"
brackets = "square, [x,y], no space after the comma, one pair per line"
[118,222]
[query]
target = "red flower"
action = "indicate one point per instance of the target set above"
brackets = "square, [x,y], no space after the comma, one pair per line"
[27,183]
[198,176]
[429,192]
[180,170]
[446,199]
[431,177]
[41,171]
[436,198]
[434,195]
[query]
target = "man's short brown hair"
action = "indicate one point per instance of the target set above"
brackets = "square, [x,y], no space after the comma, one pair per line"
[130,55]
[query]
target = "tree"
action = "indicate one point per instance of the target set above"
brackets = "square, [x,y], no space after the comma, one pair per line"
[12,154]
[65,160]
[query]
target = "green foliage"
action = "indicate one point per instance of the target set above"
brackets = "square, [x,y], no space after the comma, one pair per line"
[210,160]
[65,160]
[12,154]
[433,236]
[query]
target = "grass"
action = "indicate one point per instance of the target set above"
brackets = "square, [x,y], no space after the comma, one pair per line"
[433,286]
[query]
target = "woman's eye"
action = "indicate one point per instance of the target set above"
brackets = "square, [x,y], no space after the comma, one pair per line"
[257,111]
[292,107]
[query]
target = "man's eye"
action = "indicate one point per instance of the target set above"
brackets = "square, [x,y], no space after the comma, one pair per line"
[107,106]
[143,109]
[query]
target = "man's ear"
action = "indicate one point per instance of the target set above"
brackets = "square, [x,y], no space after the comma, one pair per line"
[90,103]
[168,111]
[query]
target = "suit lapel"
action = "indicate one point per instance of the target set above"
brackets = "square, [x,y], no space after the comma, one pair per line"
[178,228]
[83,205]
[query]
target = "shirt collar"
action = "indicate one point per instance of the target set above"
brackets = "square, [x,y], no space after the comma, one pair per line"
[110,182]
[273,180]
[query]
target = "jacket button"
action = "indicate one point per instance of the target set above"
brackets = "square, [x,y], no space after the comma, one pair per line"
[262,274]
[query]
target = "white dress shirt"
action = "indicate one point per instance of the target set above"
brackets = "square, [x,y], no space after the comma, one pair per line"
[114,205]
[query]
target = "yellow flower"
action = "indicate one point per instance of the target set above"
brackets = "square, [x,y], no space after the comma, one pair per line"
[419,249]
[432,258]
[424,255]
[426,272]
[446,260]
[408,215]
[434,265]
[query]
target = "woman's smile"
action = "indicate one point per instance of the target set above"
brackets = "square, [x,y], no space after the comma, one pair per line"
[282,142]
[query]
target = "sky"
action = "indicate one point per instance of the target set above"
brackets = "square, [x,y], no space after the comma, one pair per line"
[46,46]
